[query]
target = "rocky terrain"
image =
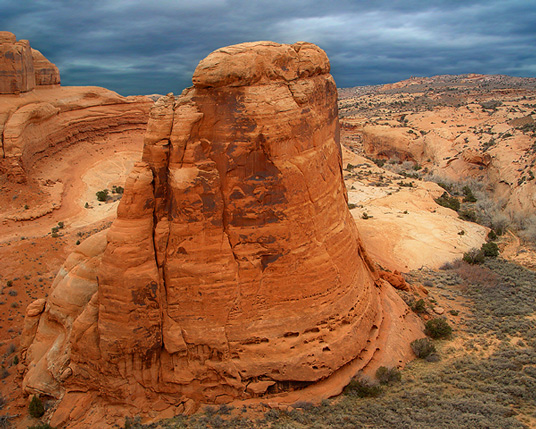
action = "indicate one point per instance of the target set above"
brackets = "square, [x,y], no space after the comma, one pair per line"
[468,128]
[250,262]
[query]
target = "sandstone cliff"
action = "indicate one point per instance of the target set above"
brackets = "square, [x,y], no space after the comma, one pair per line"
[234,268]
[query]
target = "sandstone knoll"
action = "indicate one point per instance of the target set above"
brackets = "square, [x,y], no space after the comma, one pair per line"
[234,269]
[467,127]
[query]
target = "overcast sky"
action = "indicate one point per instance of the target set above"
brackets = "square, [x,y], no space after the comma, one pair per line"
[153,46]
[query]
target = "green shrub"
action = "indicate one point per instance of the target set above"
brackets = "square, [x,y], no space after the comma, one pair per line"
[490,249]
[468,195]
[41,426]
[362,388]
[449,202]
[438,328]
[419,306]
[36,408]
[474,256]
[352,206]
[492,236]
[102,195]
[388,375]
[423,347]
[468,215]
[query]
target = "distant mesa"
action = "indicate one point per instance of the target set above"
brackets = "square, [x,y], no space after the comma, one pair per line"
[23,68]
[234,269]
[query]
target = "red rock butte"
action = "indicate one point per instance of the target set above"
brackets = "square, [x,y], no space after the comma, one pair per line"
[234,269]
[23,68]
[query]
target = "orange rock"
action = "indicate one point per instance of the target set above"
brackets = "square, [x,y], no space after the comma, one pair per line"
[16,65]
[46,73]
[395,279]
[234,264]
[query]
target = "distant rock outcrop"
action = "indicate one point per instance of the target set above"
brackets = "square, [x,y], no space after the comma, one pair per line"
[46,73]
[23,68]
[234,268]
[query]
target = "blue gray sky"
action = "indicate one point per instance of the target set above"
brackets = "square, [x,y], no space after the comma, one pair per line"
[153,46]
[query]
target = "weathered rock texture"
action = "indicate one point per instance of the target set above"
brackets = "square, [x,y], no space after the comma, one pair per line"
[50,117]
[46,73]
[23,68]
[47,120]
[234,268]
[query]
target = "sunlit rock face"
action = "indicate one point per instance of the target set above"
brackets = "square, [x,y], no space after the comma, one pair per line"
[234,268]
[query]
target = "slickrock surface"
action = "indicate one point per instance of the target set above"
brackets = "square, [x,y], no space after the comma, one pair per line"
[234,268]
[47,120]
[38,117]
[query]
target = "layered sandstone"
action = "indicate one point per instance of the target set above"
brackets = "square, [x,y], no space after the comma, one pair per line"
[47,120]
[46,73]
[234,268]
[16,65]
[22,68]
[476,128]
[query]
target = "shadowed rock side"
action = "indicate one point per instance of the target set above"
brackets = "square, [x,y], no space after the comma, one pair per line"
[234,268]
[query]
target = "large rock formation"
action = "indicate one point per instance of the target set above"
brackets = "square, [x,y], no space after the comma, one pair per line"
[16,65]
[23,68]
[234,268]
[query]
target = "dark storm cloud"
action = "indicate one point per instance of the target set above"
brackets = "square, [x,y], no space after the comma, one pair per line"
[135,46]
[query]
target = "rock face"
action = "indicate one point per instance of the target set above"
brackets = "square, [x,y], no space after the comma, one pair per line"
[234,268]
[16,65]
[23,68]
[46,73]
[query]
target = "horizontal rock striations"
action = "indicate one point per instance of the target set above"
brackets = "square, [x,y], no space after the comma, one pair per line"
[234,268]
[48,117]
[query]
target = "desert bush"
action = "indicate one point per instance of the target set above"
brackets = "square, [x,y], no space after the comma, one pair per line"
[362,388]
[474,256]
[388,375]
[449,202]
[492,236]
[102,195]
[468,215]
[468,195]
[419,306]
[41,426]
[423,347]
[36,408]
[490,249]
[438,328]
